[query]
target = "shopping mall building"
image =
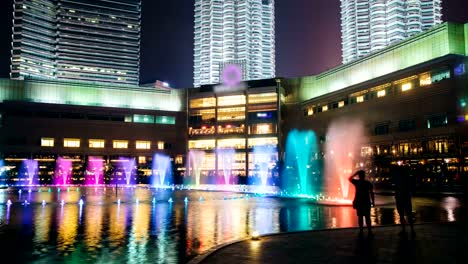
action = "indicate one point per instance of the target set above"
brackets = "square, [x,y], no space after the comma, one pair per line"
[412,98]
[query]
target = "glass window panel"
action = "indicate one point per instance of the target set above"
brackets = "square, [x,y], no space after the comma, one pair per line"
[168,120]
[231,114]
[120,144]
[263,98]
[96,143]
[140,144]
[47,142]
[71,143]
[201,144]
[268,141]
[148,119]
[237,143]
[231,100]
[203,102]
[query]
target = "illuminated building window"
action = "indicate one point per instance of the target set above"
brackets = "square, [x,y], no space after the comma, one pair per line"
[310,111]
[231,100]
[141,159]
[143,144]
[47,142]
[263,98]
[425,79]
[203,102]
[71,143]
[437,121]
[406,87]
[341,104]
[381,93]
[161,144]
[165,120]
[147,119]
[270,141]
[324,108]
[96,143]
[120,144]
[259,129]
[360,99]
[237,143]
[231,114]
[179,160]
[201,144]
[202,116]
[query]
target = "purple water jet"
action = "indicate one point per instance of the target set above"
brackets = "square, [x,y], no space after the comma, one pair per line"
[128,167]
[30,169]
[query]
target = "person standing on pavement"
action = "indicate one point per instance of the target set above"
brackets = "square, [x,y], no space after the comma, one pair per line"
[403,194]
[364,199]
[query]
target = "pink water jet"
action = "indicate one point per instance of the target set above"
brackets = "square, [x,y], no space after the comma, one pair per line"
[63,171]
[344,141]
[95,171]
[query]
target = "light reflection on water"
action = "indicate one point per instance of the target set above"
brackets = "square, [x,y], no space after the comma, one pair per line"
[102,230]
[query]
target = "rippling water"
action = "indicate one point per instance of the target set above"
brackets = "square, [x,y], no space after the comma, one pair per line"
[145,227]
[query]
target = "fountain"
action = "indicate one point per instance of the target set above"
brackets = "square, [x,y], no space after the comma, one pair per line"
[95,171]
[63,171]
[300,160]
[128,166]
[161,169]
[264,159]
[225,161]
[342,153]
[194,164]
[30,168]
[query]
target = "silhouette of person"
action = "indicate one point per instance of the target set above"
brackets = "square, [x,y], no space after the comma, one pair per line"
[363,199]
[403,195]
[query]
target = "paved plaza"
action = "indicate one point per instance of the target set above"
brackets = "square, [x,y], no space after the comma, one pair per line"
[434,243]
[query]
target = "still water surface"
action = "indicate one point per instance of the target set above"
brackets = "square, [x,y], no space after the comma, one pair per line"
[145,227]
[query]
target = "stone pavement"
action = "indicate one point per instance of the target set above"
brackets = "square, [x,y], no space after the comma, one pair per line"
[434,243]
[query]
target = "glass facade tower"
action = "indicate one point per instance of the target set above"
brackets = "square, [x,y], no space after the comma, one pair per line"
[82,40]
[371,25]
[240,32]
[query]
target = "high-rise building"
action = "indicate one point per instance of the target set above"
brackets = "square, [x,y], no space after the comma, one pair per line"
[371,25]
[240,32]
[82,40]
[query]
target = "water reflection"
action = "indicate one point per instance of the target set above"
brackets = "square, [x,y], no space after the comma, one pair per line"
[145,227]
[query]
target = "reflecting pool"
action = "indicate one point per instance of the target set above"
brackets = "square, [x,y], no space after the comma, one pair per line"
[141,224]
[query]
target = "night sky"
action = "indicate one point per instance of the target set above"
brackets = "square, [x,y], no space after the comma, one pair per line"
[307,37]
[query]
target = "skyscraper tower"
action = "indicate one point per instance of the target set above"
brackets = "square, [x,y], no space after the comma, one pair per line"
[82,40]
[371,25]
[240,32]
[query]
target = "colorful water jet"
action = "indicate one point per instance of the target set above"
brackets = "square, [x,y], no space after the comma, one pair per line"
[342,156]
[162,170]
[264,160]
[225,163]
[128,167]
[30,169]
[300,162]
[195,164]
[95,171]
[63,171]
